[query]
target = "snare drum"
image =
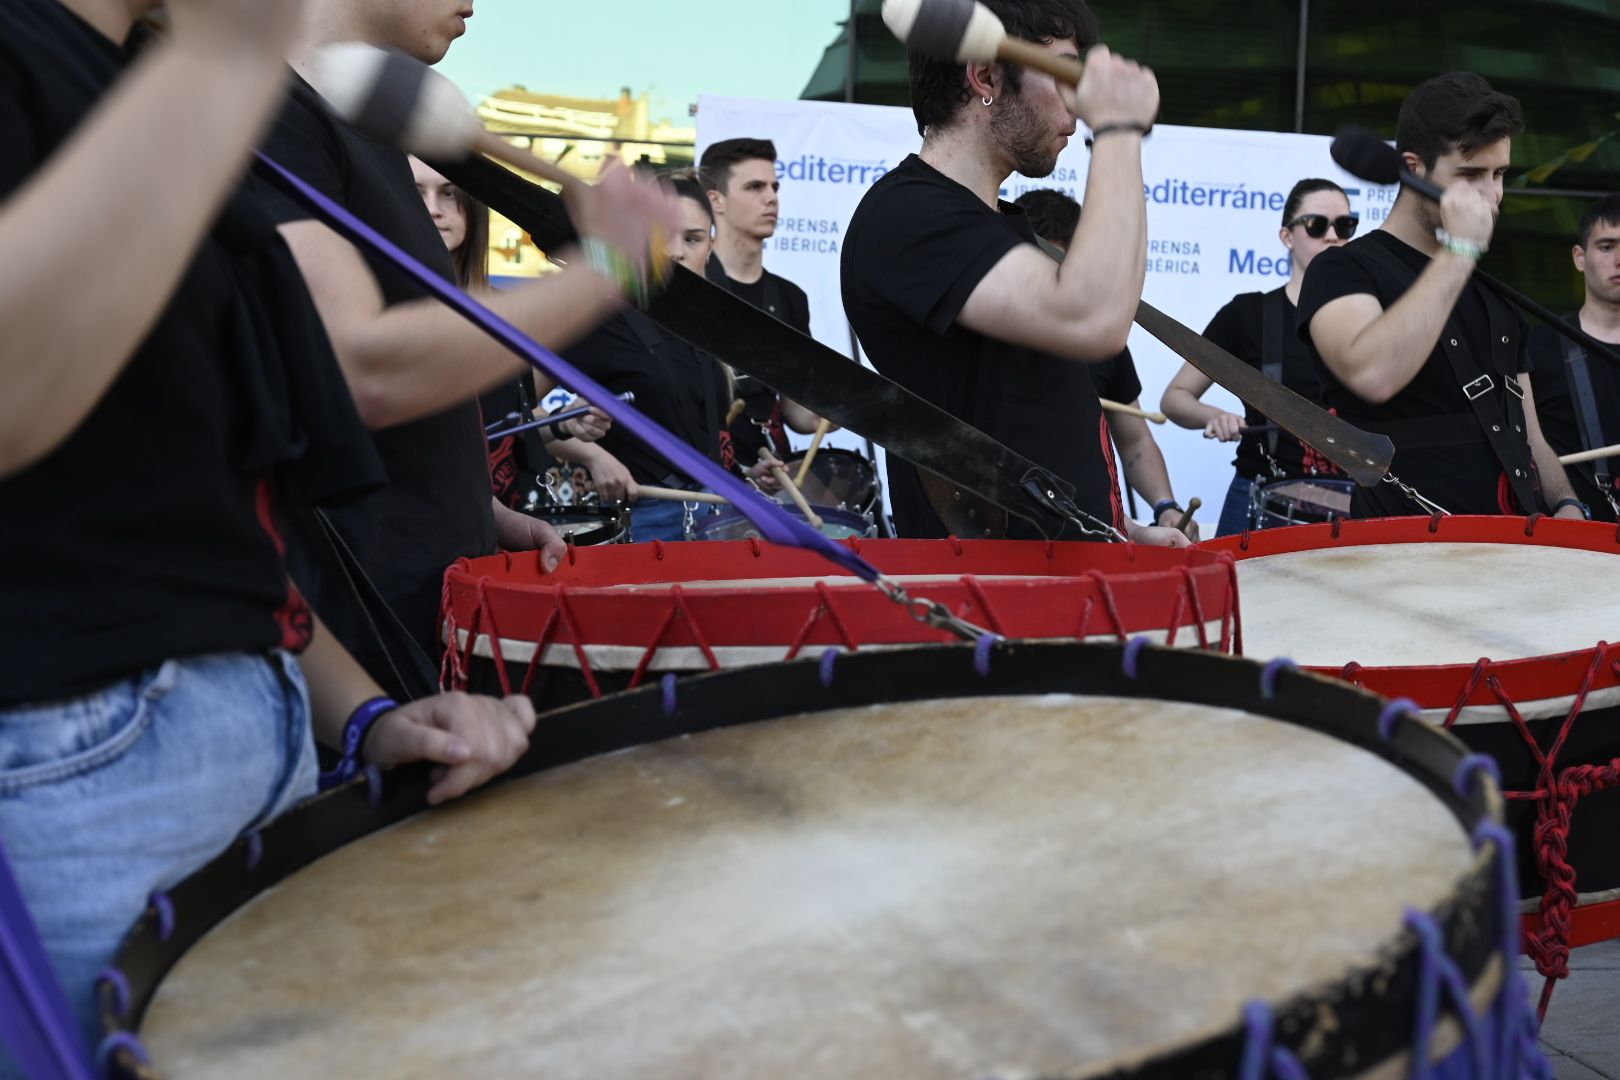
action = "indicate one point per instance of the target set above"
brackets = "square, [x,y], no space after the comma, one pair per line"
[942,862]
[1407,606]
[1301,502]
[587,526]
[731,525]
[610,617]
[838,478]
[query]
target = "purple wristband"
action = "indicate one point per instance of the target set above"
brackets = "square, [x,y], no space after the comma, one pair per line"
[355,731]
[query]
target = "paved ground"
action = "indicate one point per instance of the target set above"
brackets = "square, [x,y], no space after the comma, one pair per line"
[1582,1033]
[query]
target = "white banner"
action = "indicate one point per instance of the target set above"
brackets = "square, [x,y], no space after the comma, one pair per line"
[1215,201]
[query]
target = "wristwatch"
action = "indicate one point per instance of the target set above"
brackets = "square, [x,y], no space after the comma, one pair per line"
[1165,504]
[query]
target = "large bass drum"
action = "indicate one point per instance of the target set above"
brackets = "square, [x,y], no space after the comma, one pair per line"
[1010,860]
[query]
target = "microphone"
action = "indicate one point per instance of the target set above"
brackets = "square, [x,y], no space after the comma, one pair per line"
[1364,155]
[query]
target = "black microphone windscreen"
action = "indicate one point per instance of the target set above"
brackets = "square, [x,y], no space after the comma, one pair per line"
[1363,154]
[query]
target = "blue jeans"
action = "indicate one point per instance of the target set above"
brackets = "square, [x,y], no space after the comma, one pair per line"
[107,798]
[1235,510]
[657,519]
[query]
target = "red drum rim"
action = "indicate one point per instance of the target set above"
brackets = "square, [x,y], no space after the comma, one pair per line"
[1016,589]
[1443,691]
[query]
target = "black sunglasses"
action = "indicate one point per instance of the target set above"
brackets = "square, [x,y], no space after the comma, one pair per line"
[1316,225]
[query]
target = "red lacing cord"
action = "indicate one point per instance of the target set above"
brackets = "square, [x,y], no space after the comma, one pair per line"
[497,648]
[1234,609]
[1549,946]
[541,644]
[567,617]
[1178,604]
[1106,592]
[978,594]
[825,608]
[678,609]
[452,674]
[1197,605]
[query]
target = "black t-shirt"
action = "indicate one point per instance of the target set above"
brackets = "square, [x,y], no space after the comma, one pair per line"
[916,248]
[437,506]
[1436,450]
[1239,328]
[778,296]
[1555,409]
[1116,379]
[681,389]
[149,533]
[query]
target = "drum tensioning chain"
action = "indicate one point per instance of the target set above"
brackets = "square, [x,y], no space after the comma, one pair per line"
[931,612]
[1429,505]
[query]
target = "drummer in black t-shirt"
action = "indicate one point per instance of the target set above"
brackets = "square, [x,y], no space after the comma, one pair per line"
[1577,394]
[1411,346]
[744,192]
[1259,329]
[162,680]
[950,295]
[1053,216]
[415,368]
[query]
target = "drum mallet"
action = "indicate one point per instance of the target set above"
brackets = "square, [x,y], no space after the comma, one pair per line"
[628,397]
[1132,410]
[736,410]
[967,32]
[1187,518]
[792,489]
[1590,455]
[815,448]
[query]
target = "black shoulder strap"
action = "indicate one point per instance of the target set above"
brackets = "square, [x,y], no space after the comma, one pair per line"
[773,296]
[1498,426]
[1585,401]
[1273,343]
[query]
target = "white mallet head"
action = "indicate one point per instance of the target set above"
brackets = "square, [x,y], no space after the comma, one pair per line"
[395,98]
[962,31]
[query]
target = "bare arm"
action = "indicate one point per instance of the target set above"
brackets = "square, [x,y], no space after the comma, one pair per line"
[174,133]
[1140,457]
[1555,483]
[798,418]
[1182,399]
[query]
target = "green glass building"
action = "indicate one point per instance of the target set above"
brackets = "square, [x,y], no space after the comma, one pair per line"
[1295,65]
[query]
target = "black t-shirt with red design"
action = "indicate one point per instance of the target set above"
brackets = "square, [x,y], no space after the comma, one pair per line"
[150,533]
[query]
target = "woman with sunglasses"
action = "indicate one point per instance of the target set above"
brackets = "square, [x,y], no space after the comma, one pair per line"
[1259,328]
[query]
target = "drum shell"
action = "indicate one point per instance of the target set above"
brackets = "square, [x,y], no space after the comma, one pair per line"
[586,526]
[732,525]
[838,478]
[1273,507]
[612,618]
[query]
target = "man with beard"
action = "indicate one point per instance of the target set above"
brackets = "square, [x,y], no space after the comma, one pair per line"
[1577,395]
[1411,346]
[951,296]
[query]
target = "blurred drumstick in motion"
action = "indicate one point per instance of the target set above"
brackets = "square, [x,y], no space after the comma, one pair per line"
[1187,518]
[648,491]
[736,410]
[965,32]
[1258,429]
[792,489]
[1132,410]
[815,448]
[1590,455]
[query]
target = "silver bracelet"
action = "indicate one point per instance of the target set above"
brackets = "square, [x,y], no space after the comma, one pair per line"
[1468,249]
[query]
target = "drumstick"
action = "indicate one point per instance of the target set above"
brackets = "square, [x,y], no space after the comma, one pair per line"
[1257,429]
[792,489]
[737,406]
[1187,518]
[648,491]
[1590,455]
[964,32]
[815,448]
[1132,410]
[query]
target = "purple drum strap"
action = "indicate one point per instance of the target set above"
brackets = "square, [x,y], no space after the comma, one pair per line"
[36,1023]
[776,525]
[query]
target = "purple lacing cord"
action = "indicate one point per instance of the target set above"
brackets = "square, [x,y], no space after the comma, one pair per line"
[981,653]
[1133,655]
[164,907]
[828,660]
[114,978]
[374,786]
[121,1040]
[255,851]
[1438,971]
[1391,715]
[1269,673]
[1261,1058]
[775,523]
[1472,766]
[667,686]
[1519,1047]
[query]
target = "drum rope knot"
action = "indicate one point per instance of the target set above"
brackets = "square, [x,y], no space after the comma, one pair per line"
[1269,673]
[1262,1058]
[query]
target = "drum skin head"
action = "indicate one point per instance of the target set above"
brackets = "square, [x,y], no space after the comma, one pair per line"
[989,886]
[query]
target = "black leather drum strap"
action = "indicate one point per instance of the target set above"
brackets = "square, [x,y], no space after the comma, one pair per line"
[1577,367]
[1272,347]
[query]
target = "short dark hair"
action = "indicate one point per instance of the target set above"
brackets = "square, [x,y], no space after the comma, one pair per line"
[939,87]
[1458,111]
[1052,214]
[718,160]
[685,187]
[1606,210]
[1307,187]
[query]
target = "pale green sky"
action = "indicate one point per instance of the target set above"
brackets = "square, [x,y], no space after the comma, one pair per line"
[674,49]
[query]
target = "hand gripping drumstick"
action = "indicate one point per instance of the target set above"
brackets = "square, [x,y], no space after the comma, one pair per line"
[793,491]
[1187,518]
[1590,455]
[1132,410]
[815,448]
[969,33]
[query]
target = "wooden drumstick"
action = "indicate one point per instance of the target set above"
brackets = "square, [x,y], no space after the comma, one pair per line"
[1590,455]
[736,410]
[815,448]
[965,32]
[648,491]
[1132,410]
[1187,518]
[792,489]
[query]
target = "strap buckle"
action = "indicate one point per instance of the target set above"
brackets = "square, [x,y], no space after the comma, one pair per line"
[1514,388]
[1480,386]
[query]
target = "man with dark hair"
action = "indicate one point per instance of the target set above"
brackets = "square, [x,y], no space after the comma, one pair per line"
[951,296]
[1578,395]
[1411,346]
[1053,216]
[740,178]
